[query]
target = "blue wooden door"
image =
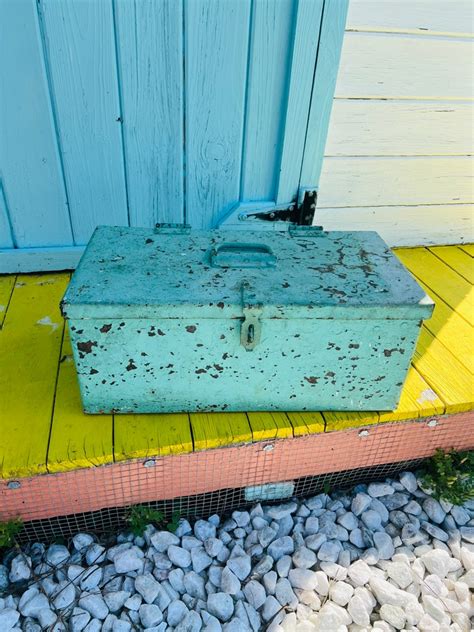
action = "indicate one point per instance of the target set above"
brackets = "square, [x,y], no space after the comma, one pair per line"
[132,113]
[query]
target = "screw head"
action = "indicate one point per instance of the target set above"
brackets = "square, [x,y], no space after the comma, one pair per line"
[13,484]
[149,463]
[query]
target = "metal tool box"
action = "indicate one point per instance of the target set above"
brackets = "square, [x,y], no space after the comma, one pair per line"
[174,319]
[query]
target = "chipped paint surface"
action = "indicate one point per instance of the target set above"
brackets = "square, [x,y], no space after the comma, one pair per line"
[156,328]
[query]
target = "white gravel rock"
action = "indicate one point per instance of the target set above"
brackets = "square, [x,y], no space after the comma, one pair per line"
[379,489]
[57,554]
[394,615]
[179,556]
[204,529]
[20,568]
[360,503]
[129,560]
[280,547]
[359,610]
[384,545]
[303,578]
[8,619]
[359,573]
[221,606]
[31,602]
[434,510]
[408,480]
[270,608]
[329,551]
[341,592]
[95,605]
[161,540]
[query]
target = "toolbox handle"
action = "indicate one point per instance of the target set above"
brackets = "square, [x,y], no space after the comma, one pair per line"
[242,255]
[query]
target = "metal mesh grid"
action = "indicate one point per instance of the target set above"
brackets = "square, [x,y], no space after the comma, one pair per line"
[221,502]
[214,481]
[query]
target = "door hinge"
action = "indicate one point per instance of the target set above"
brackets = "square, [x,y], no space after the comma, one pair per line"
[300,214]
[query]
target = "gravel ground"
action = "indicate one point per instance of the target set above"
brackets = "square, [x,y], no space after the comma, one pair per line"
[386,556]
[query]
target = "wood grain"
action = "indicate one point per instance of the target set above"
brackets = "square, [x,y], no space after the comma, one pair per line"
[212,430]
[413,16]
[39,259]
[405,66]
[413,225]
[76,439]
[387,181]
[269,426]
[29,355]
[400,128]
[29,159]
[81,55]
[216,69]
[456,259]
[150,48]
[6,237]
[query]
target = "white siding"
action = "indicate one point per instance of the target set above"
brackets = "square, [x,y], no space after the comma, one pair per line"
[399,150]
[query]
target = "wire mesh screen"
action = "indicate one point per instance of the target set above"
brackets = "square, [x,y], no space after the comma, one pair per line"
[218,480]
[221,502]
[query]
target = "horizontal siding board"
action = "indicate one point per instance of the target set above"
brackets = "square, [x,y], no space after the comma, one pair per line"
[37,259]
[383,65]
[423,16]
[391,181]
[81,54]
[151,77]
[399,128]
[216,48]
[29,158]
[405,225]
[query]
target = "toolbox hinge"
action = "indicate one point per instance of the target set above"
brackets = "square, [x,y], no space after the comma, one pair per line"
[299,213]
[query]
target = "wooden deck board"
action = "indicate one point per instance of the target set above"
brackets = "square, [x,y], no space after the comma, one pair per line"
[42,427]
[6,288]
[29,356]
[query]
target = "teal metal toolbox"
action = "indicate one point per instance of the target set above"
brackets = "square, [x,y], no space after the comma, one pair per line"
[173,319]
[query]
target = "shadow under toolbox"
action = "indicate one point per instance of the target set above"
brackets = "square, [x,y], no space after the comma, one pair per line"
[171,320]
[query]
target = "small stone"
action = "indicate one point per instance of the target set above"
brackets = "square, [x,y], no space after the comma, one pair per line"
[175,577]
[81,541]
[129,560]
[148,587]
[200,559]
[91,578]
[304,558]
[20,569]
[263,566]
[8,619]
[121,626]
[356,537]
[434,531]
[161,540]
[314,542]
[179,556]
[176,613]
[204,530]
[213,546]
[283,566]
[192,622]
[399,518]
[460,515]
[371,519]
[395,501]
[359,611]
[277,512]
[348,521]
[79,619]
[284,593]
[434,510]
[221,606]
[329,551]
[379,489]
[240,565]
[194,585]
[413,508]
[393,615]
[269,581]
[359,573]
[303,578]
[229,582]
[189,542]
[400,573]
[64,595]
[31,602]
[270,608]
[408,480]
[467,534]
[311,526]
[57,554]
[360,503]
[280,547]
[95,605]
[116,599]
[47,618]
[341,593]
[437,562]
[150,615]
[386,592]
[384,545]
[332,617]
[95,554]
[255,594]
[334,571]
[183,528]
[242,518]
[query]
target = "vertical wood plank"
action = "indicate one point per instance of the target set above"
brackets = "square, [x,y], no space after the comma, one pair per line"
[6,237]
[7,283]
[81,53]
[29,354]
[271,37]
[150,48]
[215,75]
[327,63]
[305,47]
[29,158]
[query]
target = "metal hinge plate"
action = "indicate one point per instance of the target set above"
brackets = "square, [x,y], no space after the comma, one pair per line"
[299,214]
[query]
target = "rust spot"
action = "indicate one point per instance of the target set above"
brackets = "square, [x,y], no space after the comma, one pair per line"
[80,331]
[151,334]
[353,345]
[330,374]
[86,347]
[222,337]
[285,284]
[131,366]
[148,241]
[199,371]
[218,367]
[220,305]
[312,379]
[191,329]
[160,332]
[225,356]
[105,328]
[93,371]
[214,376]
[143,353]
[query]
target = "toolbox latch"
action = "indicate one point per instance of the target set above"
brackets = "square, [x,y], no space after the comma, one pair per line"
[251,329]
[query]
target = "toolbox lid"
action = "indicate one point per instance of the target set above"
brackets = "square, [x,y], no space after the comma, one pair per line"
[302,273]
